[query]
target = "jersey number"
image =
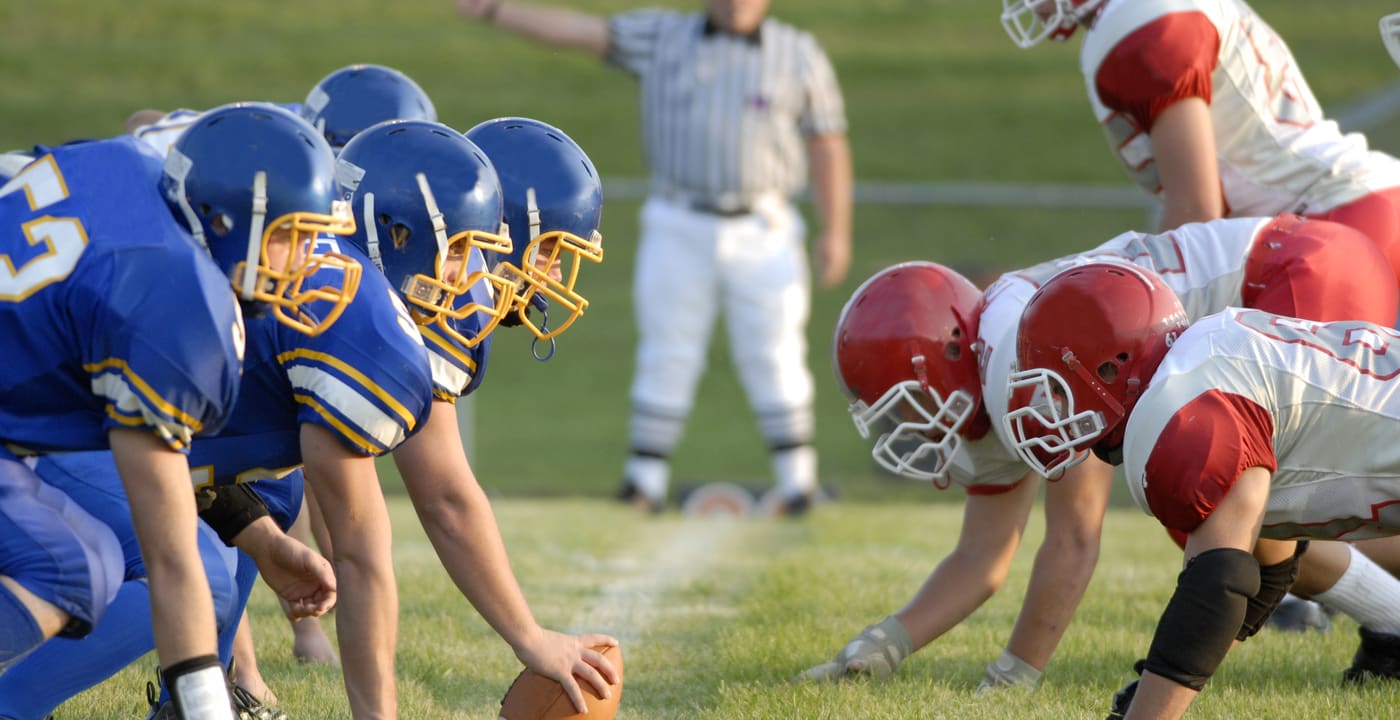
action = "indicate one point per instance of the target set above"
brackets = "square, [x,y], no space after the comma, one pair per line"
[1360,345]
[64,238]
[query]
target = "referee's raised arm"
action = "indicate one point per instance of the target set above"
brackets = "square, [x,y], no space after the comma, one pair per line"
[555,26]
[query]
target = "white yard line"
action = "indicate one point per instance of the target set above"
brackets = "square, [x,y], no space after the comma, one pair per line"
[665,557]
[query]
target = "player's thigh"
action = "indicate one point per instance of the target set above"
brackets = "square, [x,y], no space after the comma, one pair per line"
[1319,270]
[54,548]
[91,480]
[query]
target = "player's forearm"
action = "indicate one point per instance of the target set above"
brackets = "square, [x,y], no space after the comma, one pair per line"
[1061,575]
[959,585]
[833,184]
[157,484]
[367,624]
[553,26]
[1158,698]
[459,521]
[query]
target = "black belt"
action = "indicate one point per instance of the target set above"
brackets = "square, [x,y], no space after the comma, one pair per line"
[701,206]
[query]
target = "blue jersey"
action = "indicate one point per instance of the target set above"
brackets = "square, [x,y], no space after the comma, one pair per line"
[365,379]
[457,369]
[111,316]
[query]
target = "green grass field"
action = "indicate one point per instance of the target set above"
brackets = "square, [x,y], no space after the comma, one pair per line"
[715,617]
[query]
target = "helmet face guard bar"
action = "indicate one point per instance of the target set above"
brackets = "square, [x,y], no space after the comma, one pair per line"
[1044,428]
[258,280]
[546,251]
[916,431]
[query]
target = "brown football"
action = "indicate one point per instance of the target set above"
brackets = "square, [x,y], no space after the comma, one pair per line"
[535,697]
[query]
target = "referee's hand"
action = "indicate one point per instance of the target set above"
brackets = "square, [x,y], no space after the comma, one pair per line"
[832,259]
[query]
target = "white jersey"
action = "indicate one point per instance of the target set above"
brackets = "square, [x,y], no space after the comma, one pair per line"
[1203,263]
[162,133]
[1316,403]
[1276,150]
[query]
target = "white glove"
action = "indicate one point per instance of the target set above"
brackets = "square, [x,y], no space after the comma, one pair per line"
[1009,671]
[877,652]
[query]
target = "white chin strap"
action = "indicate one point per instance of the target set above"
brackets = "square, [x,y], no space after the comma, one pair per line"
[248,283]
[439,224]
[372,233]
[177,167]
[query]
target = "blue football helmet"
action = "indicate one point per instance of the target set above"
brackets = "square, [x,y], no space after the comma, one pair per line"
[357,96]
[244,178]
[553,206]
[427,200]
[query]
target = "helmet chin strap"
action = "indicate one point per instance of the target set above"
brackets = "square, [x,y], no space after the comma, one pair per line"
[1112,404]
[248,284]
[372,233]
[439,224]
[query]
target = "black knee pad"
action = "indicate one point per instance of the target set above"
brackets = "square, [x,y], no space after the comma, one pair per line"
[1203,616]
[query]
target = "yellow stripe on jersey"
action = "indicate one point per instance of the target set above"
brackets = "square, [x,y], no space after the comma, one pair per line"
[151,396]
[126,420]
[358,376]
[345,430]
[452,349]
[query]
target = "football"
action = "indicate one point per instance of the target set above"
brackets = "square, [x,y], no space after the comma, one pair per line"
[535,697]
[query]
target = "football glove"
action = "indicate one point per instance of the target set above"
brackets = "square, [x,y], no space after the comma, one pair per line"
[876,652]
[1123,699]
[1009,671]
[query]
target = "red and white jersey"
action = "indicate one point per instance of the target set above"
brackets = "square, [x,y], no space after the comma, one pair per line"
[1317,404]
[1276,150]
[1203,263]
[163,133]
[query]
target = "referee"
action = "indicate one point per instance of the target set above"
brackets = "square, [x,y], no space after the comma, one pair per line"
[734,107]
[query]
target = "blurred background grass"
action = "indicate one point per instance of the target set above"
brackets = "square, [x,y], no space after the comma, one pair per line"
[934,89]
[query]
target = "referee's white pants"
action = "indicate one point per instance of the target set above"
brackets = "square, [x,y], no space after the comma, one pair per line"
[690,265]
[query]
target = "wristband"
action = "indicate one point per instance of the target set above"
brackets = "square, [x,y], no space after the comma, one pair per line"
[198,689]
[228,509]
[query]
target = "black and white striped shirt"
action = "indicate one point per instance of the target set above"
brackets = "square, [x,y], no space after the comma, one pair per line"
[724,118]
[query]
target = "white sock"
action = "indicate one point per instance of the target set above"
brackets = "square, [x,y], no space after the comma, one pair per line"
[650,475]
[795,471]
[1367,594]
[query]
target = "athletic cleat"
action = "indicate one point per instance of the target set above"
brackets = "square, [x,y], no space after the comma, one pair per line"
[630,495]
[1294,614]
[1377,657]
[251,708]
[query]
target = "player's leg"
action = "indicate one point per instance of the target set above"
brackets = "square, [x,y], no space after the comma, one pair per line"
[309,641]
[63,668]
[1341,577]
[767,301]
[675,299]
[59,566]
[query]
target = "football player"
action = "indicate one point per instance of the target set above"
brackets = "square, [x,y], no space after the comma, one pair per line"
[339,105]
[925,359]
[333,400]
[1248,431]
[550,198]
[130,339]
[1205,106]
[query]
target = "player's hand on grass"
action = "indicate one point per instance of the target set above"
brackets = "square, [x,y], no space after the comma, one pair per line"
[1009,671]
[562,657]
[297,573]
[876,652]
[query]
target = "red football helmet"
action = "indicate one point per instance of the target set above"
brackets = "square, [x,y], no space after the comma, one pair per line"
[1088,343]
[903,353]
[1030,21]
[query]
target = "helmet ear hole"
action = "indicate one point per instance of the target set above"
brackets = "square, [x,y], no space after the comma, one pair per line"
[222,224]
[1108,372]
[952,351]
[399,233]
